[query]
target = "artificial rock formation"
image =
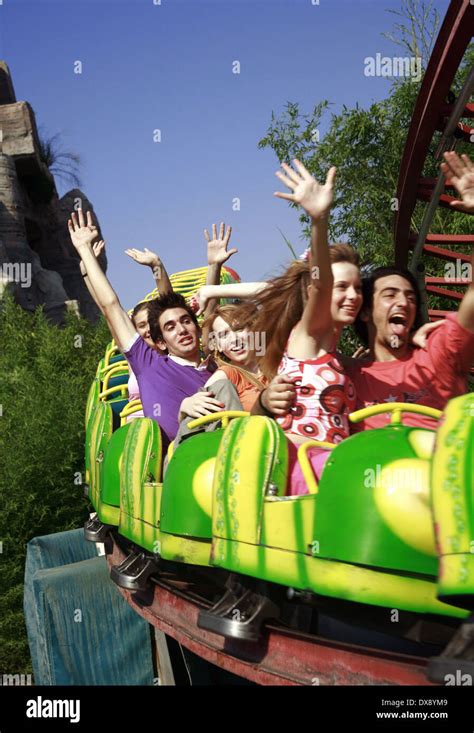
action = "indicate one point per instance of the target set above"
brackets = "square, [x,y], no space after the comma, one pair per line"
[37,260]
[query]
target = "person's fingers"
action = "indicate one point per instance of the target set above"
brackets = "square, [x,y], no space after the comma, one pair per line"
[287,181]
[277,410]
[455,163]
[292,174]
[221,230]
[232,251]
[279,403]
[208,408]
[216,408]
[74,221]
[70,227]
[90,223]
[469,163]
[214,231]
[448,172]
[82,222]
[302,170]
[284,387]
[227,236]
[206,234]
[287,196]
[458,204]
[331,176]
[282,378]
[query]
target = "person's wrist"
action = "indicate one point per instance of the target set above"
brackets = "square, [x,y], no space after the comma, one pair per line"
[262,404]
[321,218]
[85,247]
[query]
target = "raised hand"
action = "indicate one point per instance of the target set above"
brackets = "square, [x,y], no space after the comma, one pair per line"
[97,248]
[420,337]
[361,352]
[145,257]
[315,198]
[461,171]
[217,252]
[200,299]
[83,234]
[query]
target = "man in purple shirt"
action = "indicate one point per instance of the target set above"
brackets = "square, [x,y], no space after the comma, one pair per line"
[166,379]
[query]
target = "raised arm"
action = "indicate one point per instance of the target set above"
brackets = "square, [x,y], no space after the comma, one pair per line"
[149,258]
[461,171]
[97,248]
[316,200]
[217,254]
[82,236]
[229,290]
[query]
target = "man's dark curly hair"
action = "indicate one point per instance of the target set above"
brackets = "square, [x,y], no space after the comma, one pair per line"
[368,287]
[157,306]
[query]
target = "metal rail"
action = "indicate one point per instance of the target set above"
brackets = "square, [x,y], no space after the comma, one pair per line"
[282,657]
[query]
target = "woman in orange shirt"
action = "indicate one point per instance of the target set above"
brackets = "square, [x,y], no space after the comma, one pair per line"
[235,354]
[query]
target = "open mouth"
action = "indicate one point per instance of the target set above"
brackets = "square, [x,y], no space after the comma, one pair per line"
[186,340]
[398,323]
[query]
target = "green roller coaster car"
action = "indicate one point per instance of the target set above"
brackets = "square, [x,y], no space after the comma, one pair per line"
[365,534]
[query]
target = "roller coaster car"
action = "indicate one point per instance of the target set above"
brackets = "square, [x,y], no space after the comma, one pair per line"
[367,532]
[364,535]
[169,520]
[104,440]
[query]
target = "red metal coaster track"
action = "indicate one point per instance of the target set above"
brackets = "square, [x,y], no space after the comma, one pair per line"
[433,113]
[284,656]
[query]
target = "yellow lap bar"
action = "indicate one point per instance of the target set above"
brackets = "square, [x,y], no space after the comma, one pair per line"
[225,416]
[306,469]
[396,408]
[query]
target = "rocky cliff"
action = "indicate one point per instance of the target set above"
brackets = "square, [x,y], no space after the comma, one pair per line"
[37,260]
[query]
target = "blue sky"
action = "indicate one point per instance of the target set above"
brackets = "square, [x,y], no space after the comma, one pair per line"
[168,67]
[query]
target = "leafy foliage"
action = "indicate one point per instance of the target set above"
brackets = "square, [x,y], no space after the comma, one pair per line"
[45,373]
[366,146]
[61,163]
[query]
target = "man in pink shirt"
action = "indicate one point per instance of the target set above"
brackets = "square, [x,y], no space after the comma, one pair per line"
[396,371]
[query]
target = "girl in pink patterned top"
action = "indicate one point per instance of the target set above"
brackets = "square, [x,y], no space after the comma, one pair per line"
[302,314]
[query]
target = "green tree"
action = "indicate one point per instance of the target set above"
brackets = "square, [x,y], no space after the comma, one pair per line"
[45,374]
[367,145]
